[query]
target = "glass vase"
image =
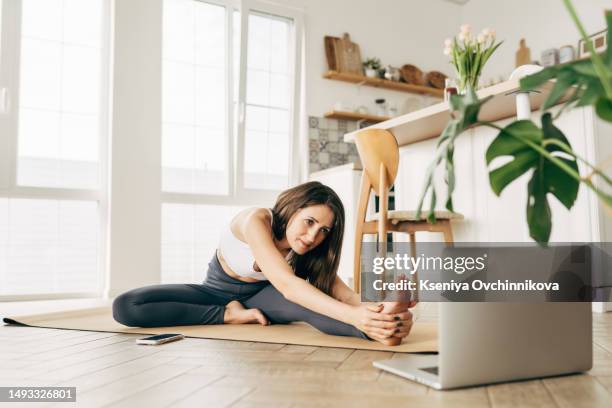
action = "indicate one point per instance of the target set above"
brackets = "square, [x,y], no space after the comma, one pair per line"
[465,81]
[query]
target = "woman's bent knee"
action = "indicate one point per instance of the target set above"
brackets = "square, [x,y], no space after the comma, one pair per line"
[124,310]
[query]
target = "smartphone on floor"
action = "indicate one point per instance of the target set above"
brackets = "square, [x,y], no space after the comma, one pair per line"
[160,339]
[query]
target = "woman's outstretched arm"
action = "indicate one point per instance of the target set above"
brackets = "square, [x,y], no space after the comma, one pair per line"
[255,228]
[345,294]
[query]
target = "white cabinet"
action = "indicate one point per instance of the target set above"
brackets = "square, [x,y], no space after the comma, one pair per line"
[414,162]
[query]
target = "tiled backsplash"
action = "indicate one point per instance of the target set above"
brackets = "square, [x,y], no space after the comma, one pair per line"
[326,147]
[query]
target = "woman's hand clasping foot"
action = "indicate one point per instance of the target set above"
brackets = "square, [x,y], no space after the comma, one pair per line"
[386,328]
[235,313]
[400,313]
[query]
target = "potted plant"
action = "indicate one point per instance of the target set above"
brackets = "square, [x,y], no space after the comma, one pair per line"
[371,65]
[538,149]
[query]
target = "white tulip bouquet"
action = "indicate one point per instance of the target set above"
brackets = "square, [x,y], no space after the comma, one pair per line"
[469,54]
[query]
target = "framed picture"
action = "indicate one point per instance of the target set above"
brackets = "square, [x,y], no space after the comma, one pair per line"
[600,44]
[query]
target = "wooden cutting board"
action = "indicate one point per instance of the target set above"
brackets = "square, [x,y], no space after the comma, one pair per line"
[343,55]
[330,52]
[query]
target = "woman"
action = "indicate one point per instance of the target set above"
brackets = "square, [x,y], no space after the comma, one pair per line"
[273,266]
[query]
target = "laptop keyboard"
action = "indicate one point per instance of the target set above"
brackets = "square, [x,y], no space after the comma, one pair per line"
[431,370]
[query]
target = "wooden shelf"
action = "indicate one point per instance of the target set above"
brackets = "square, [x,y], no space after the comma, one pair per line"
[383,83]
[355,116]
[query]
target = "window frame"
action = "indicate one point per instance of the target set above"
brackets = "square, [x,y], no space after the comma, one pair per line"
[237,193]
[10,46]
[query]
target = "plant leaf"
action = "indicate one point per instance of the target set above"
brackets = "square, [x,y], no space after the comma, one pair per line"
[538,210]
[592,90]
[559,183]
[608,53]
[466,107]
[528,144]
[490,52]
[603,107]
[450,176]
[579,74]
[584,67]
[565,79]
[532,82]
[506,174]
[509,142]
[431,216]
[506,144]
[450,131]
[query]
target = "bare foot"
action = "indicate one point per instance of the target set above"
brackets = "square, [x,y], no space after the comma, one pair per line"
[235,313]
[396,307]
[389,341]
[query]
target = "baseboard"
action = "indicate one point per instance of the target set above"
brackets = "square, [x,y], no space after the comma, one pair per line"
[602,307]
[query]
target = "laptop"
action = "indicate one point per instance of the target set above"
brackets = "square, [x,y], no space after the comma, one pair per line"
[484,343]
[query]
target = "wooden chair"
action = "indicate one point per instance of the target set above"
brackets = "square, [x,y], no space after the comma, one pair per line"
[379,155]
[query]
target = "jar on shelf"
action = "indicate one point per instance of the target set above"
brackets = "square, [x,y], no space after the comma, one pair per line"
[381,107]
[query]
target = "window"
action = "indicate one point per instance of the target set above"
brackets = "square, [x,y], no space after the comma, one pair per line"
[268,108]
[194,149]
[59,93]
[53,71]
[190,236]
[228,140]
[49,246]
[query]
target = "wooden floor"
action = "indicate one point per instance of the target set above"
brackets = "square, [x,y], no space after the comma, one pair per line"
[109,369]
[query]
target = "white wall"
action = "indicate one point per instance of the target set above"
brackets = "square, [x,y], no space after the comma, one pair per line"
[135,222]
[543,23]
[397,32]
[400,32]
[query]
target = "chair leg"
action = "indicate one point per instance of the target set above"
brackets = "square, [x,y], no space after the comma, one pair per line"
[364,195]
[357,260]
[382,210]
[414,277]
[412,244]
[448,232]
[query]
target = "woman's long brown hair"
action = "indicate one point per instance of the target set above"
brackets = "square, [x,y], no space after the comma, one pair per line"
[320,265]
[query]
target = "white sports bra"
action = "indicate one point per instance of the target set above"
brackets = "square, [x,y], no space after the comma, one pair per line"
[238,255]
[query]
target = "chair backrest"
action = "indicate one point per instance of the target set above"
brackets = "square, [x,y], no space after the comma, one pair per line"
[376,147]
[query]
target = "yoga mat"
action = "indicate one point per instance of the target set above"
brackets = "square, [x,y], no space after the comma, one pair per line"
[422,338]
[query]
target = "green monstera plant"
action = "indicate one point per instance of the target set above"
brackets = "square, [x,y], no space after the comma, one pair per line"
[542,150]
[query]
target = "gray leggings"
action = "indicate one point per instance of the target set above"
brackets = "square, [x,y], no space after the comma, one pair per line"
[191,304]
